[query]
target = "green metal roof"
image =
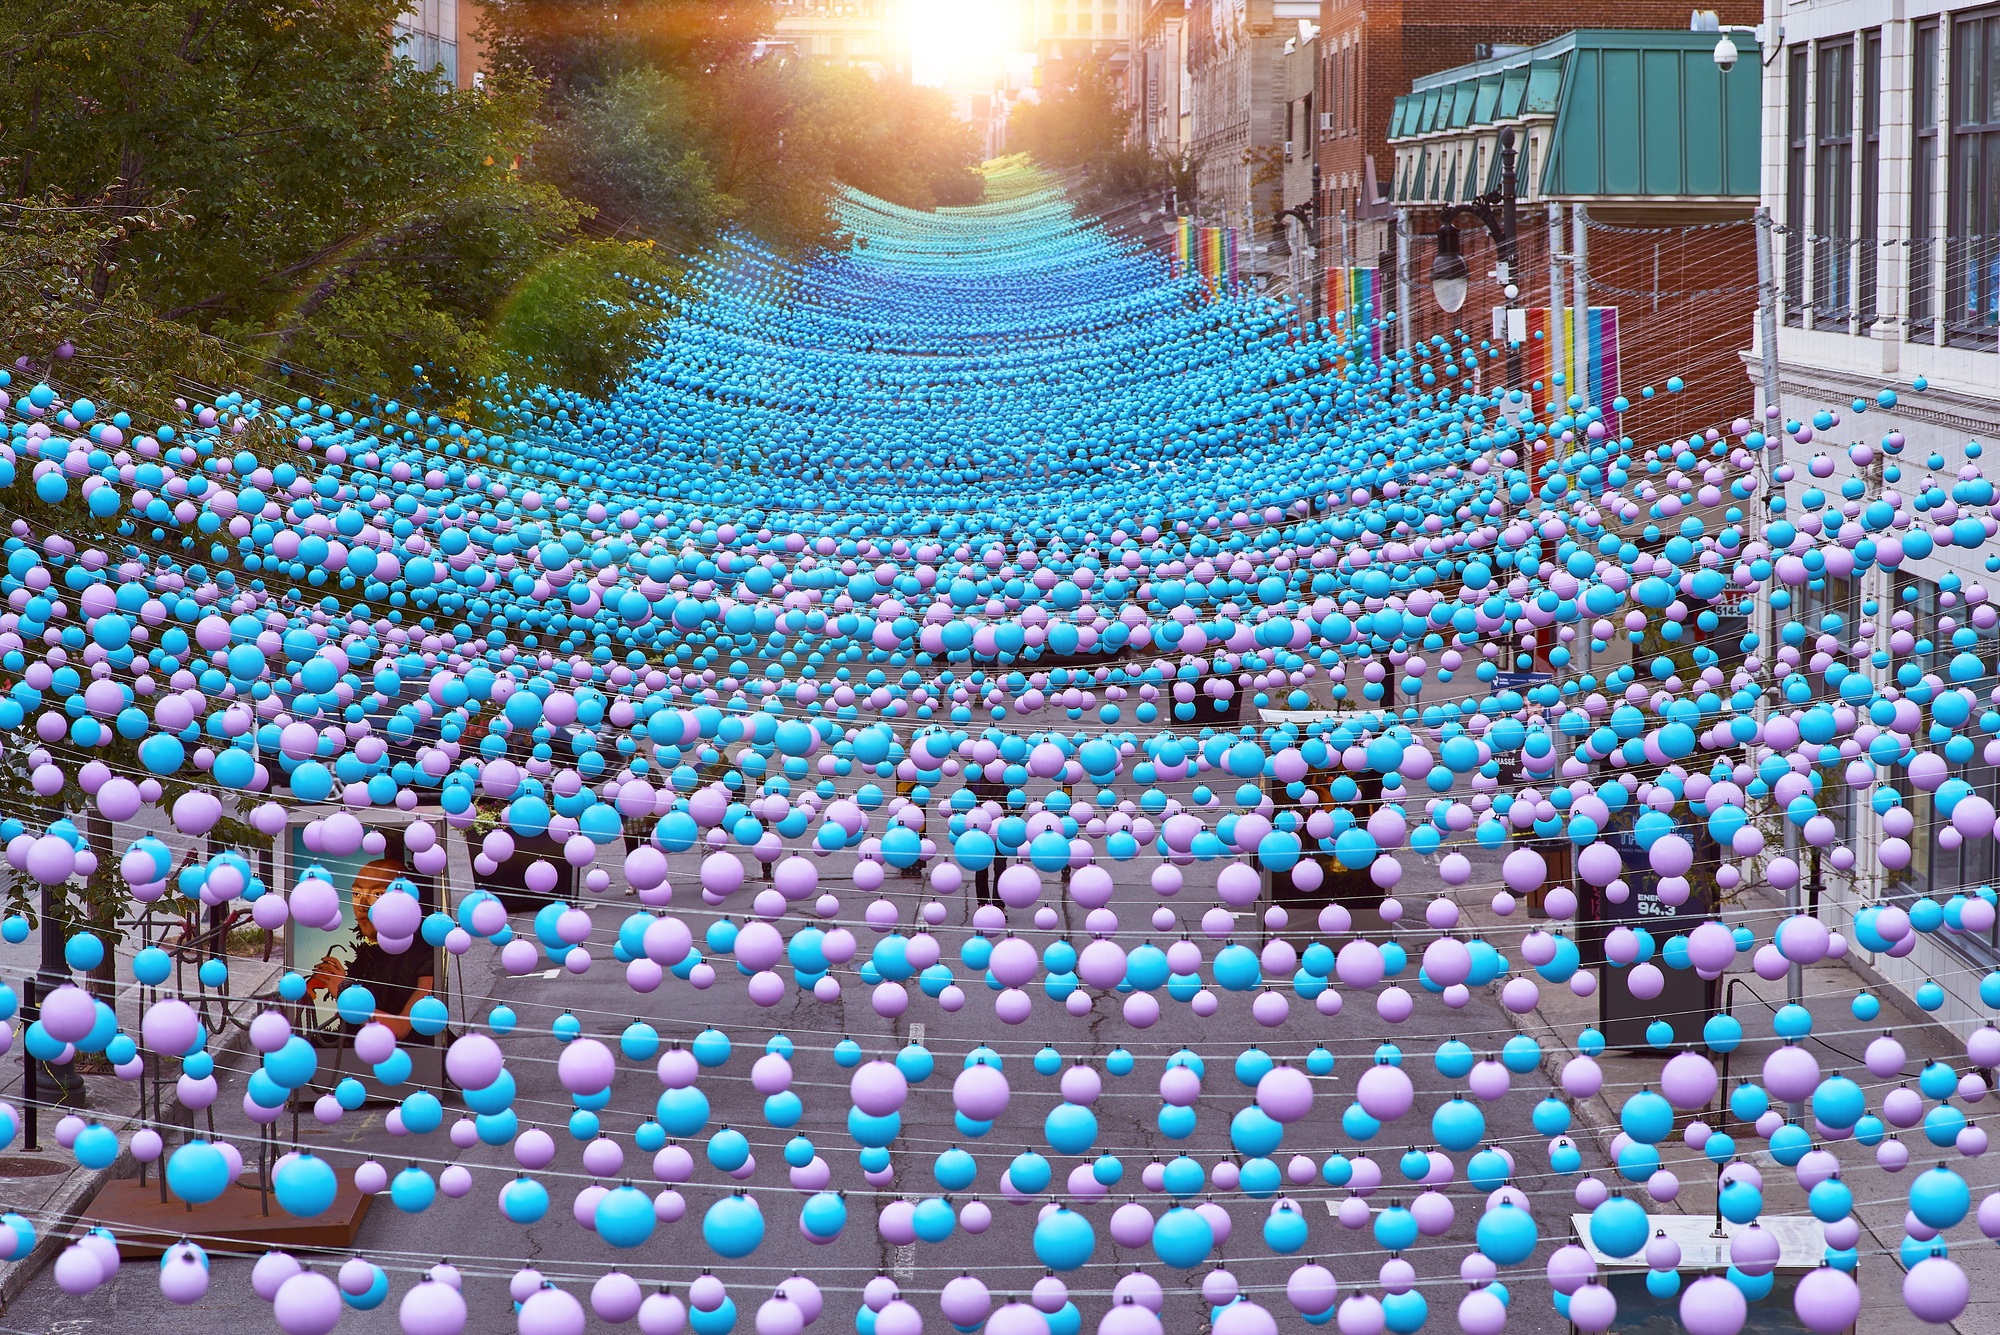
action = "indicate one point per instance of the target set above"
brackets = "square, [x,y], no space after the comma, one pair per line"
[1638,113]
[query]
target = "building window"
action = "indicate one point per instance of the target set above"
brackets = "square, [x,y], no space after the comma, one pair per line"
[1796,154]
[1923,178]
[1871,174]
[427,33]
[1972,245]
[1833,194]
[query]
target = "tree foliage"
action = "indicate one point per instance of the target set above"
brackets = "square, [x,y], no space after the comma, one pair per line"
[1081,126]
[211,191]
[679,153]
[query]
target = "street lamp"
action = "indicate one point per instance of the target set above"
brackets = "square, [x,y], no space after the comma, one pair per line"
[1499,210]
[1448,273]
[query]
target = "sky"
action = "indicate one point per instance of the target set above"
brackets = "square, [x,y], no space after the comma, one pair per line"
[959,41]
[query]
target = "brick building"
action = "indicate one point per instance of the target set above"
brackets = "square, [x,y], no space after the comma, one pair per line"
[1370,51]
[1638,167]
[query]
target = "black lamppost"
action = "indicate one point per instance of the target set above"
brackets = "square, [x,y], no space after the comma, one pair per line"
[1499,210]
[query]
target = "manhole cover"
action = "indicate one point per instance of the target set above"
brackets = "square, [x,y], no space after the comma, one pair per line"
[23,1165]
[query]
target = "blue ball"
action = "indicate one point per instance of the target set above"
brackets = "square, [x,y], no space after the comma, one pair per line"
[1619,1227]
[306,1186]
[823,1216]
[1506,1234]
[1064,1240]
[413,1190]
[624,1217]
[197,1173]
[733,1227]
[524,1200]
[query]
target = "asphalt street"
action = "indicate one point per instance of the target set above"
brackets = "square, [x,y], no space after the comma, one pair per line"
[473,1234]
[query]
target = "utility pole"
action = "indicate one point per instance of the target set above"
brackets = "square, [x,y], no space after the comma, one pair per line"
[1579,329]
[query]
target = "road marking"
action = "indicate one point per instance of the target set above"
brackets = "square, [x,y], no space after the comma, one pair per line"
[552,974]
[906,1261]
[917,1034]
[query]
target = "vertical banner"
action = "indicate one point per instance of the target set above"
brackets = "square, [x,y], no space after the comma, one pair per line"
[1356,294]
[1208,253]
[1550,349]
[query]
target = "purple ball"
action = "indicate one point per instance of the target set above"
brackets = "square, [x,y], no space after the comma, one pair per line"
[308,1303]
[980,1092]
[1791,1073]
[1713,1306]
[1524,870]
[551,1312]
[965,1300]
[433,1307]
[1827,1300]
[1936,1290]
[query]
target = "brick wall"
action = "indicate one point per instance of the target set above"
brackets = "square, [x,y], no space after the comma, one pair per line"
[1686,299]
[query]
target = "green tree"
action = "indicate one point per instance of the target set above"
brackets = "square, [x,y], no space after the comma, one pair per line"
[631,148]
[1081,126]
[583,315]
[340,207]
[574,45]
[1073,125]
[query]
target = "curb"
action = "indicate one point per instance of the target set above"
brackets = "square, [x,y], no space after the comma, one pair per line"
[81,1186]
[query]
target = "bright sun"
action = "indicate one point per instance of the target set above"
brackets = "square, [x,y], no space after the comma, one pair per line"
[958,41]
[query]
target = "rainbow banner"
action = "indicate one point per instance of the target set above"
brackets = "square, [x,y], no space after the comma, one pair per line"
[1183,246]
[1209,252]
[1356,293]
[1550,349]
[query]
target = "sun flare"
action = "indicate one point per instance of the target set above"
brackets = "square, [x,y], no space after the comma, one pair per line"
[958,42]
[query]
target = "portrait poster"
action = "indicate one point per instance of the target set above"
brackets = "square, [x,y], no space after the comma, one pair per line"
[350,953]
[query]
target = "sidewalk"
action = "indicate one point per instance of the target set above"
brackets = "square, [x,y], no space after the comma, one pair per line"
[48,1185]
[1827,991]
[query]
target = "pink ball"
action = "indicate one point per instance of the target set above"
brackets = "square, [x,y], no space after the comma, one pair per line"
[1936,1290]
[432,1307]
[1713,1306]
[1285,1093]
[307,1303]
[1524,870]
[1827,1300]
[551,1312]
[1688,1080]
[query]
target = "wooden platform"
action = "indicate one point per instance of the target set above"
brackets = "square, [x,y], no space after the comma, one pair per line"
[232,1224]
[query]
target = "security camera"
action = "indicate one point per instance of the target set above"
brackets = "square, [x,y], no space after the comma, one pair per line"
[1725,54]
